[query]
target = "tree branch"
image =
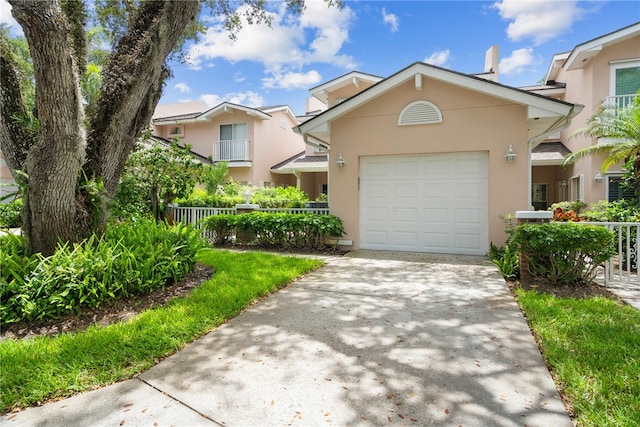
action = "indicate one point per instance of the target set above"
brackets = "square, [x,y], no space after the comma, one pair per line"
[15,136]
[132,85]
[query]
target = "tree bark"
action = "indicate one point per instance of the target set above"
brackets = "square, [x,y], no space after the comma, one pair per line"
[52,164]
[132,85]
[63,162]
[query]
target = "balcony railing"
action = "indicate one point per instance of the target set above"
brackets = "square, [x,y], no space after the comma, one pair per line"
[619,101]
[231,150]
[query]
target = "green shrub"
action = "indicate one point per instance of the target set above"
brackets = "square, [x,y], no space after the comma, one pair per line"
[564,253]
[128,259]
[288,231]
[11,214]
[617,211]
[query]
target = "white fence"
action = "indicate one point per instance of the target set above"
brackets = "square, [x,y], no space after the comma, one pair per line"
[193,215]
[622,267]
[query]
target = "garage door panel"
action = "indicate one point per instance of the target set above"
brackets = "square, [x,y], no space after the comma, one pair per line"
[406,239]
[405,215]
[436,216]
[467,243]
[439,190]
[408,190]
[377,239]
[435,242]
[468,216]
[409,167]
[377,190]
[380,214]
[432,203]
[376,168]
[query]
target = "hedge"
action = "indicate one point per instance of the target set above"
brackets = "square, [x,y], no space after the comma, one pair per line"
[278,230]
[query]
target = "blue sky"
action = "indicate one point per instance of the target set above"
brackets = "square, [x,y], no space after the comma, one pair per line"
[278,65]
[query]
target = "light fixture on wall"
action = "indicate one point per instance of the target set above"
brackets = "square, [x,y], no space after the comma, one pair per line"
[340,161]
[564,184]
[598,177]
[511,155]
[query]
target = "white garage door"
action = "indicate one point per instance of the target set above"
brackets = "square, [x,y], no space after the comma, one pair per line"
[428,203]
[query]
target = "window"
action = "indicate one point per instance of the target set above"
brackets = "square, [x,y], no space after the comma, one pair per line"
[175,131]
[625,81]
[235,131]
[576,189]
[539,196]
[617,191]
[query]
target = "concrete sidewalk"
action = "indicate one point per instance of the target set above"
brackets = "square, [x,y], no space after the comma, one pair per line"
[371,339]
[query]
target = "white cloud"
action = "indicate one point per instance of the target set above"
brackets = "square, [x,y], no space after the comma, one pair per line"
[249,99]
[7,18]
[391,19]
[282,44]
[538,20]
[182,87]
[517,62]
[292,80]
[239,77]
[439,58]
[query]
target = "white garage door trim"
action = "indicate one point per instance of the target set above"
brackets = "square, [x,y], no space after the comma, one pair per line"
[425,203]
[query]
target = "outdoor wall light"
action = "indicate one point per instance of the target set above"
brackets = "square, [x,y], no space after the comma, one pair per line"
[511,155]
[598,177]
[340,161]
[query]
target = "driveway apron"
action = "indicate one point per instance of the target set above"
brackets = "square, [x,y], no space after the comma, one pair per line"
[370,339]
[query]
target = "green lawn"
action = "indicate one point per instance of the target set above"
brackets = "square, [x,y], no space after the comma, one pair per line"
[593,349]
[44,368]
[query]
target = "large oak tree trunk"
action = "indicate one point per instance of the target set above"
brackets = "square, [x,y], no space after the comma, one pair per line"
[53,163]
[63,161]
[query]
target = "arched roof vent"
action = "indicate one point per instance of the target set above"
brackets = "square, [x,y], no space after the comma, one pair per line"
[420,113]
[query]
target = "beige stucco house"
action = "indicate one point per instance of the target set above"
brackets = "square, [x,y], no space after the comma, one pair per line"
[428,159]
[602,70]
[250,140]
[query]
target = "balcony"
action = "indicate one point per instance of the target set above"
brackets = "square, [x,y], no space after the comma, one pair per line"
[619,101]
[234,150]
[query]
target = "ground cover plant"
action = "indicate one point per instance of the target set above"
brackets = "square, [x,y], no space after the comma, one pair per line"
[42,368]
[128,259]
[592,348]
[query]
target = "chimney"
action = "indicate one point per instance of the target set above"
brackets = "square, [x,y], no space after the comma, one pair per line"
[491,63]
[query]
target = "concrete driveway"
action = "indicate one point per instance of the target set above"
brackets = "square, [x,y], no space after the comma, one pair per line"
[371,339]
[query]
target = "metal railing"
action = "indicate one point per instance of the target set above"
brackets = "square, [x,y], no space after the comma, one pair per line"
[231,150]
[622,267]
[619,101]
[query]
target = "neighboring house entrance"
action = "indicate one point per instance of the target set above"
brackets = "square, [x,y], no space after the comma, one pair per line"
[425,203]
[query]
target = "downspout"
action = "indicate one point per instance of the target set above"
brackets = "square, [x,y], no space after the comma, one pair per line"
[560,124]
[298,178]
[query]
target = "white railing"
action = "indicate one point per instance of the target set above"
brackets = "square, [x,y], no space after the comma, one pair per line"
[623,266]
[230,150]
[619,101]
[193,215]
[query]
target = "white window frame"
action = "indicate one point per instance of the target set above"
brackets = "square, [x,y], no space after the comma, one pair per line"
[576,188]
[616,65]
[233,133]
